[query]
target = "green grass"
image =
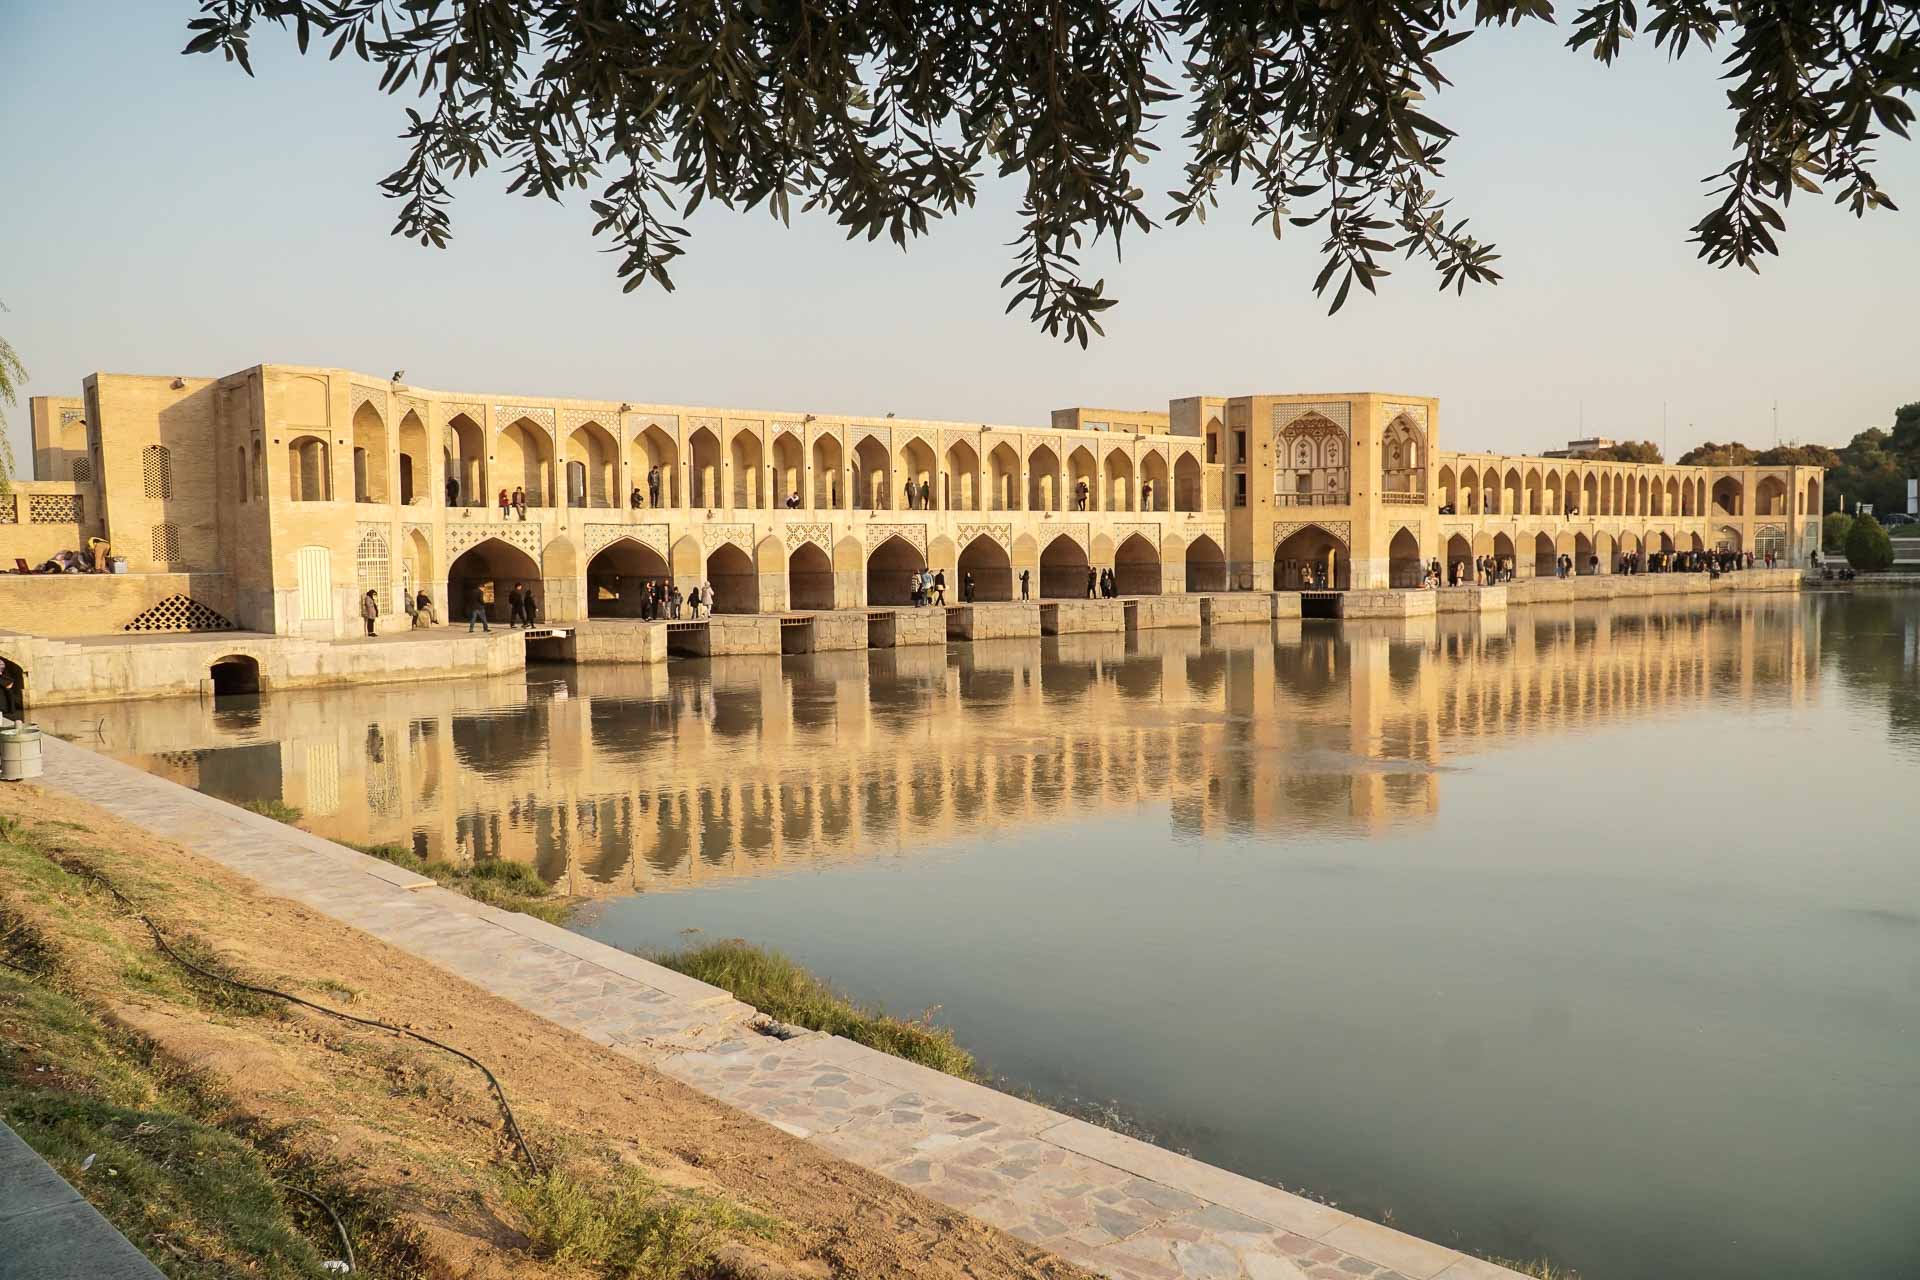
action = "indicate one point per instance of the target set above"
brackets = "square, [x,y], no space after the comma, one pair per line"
[278,810]
[1539,1268]
[633,1229]
[510,886]
[782,990]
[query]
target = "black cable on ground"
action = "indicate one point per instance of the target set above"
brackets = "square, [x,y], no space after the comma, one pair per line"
[160,941]
[338,1225]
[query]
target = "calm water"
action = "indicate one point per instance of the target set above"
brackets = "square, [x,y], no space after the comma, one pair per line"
[1589,932]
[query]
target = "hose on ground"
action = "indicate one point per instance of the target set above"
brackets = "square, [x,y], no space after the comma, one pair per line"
[160,941]
[338,1225]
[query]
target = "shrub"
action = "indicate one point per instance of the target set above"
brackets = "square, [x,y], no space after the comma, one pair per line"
[1869,550]
[1834,529]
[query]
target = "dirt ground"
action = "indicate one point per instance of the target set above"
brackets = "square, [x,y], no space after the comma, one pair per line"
[418,1129]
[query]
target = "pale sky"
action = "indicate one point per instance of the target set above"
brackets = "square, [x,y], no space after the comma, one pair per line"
[166,215]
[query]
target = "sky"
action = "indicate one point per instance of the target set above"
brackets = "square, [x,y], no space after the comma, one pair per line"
[167,215]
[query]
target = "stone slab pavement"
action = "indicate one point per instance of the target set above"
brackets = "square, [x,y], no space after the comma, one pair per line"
[1124,1208]
[49,1232]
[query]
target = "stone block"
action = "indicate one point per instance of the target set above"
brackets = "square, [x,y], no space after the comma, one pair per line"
[1152,613]
[1228,607]
[1387,604]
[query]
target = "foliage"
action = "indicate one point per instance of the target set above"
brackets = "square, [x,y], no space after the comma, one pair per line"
[1834,530]
[13,376]
[510,886]
[278,810]
[782,990]
[1873,472]
[1730,454]
[885,116]
[632,1230]
[1626,451]
[1869,550]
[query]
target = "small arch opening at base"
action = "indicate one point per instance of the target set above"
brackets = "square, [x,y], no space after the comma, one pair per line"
[235,674]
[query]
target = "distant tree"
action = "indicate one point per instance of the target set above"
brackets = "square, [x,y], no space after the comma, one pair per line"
[1626,451]
[1870,472]
[1797,455]
[1731,454]
[1834,530]
[1869,550]
[885,116]
[13,375]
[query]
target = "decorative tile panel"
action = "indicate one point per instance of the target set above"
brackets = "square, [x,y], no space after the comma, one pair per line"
[573,419]
[740,535]
[358,395]
[1151,532]
[515,533]
[654,537]
[914,535]
[505,415]
[1000,533]
[1078,532]
[1341,530]
[821,535]
[55,508]
[476,412]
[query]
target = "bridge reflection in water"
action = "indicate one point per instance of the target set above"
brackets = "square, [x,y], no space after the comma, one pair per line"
[622,779]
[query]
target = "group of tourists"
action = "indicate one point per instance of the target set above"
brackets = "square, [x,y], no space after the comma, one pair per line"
[925,587]
[1491,570]
[1102,585]
[661,600]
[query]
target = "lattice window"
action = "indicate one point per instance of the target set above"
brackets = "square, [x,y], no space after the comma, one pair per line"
[179,613]
[53,508]
[375,569]
[156,471]
[9,510]
[83,470]
[166,543]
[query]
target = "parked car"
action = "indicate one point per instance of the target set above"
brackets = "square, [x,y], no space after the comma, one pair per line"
[1893,518]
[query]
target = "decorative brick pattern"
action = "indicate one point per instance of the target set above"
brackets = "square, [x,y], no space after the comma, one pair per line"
[654,537]
[572,420]
[1340,530]
[1000,533]
[1151,532]
[514,533]
[358,395]
[475,413]
[83,471]
[1078,532]
[156,472]
[740,535]
[165,543]
[505,415]
[9,509]
[178,613]
[55,508]
[821,535]
[914,535]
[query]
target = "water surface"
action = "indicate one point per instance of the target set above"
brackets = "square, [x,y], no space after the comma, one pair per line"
[1590,932]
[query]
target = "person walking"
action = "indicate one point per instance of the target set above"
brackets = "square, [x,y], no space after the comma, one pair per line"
[706,597]
[476,609]
[940,588]
[520,502]
[673,602]
[513,607]
[423,611]
[926,495]
[909,495]
[1025,580]
[369,610]
[1080,496]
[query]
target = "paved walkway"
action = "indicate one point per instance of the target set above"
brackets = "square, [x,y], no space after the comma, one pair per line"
[1124,1208]
[49,1232]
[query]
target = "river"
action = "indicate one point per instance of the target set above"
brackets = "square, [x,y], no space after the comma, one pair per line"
[1587,932]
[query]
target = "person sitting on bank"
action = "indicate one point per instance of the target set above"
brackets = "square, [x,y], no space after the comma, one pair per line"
[506,503]
[634,499]
[423,611]
[369,610]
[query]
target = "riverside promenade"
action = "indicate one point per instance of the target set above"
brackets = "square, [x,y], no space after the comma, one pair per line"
[1123,1208]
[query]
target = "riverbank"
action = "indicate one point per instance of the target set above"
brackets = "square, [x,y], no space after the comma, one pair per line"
[1059,1187]
[120,1055]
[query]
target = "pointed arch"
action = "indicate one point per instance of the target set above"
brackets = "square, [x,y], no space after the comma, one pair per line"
[991,568]
[1044,490]
[1534,504]
[309,470]
[415,460]
[1116,474]
[1003,478]
[829,474]
[593,466]
[1136,567]
[1469,491]
[1311,558]
[810,580]
[1403,457]
[619,576]
[873,475]
[1083,480]
[654,463]
[959,488]
[917,460]
[1404,565]
[369,454]
[1153,481]
[751,490]
[464,457]
[1513,499]
[484,574]
[736,585]
[523,458]
[1063,570]
[703,455]
[1546,556]
[889,569]
[1188,494]
[1206,565]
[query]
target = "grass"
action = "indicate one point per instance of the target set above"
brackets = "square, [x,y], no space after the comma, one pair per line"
[633,1229]
[1539,1268]
[278,810]
[510,886]
[784,991]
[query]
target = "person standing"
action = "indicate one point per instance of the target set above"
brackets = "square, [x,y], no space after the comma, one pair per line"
[453,491]
[926,495]
[476,609]
[1093,585]
[673,602]
[369,610]
[513,607]
[940,588]
[966,587]
[1025,579]
[706,596]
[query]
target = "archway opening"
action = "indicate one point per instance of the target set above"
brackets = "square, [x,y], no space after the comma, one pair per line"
[889,572]
[1136,568]
[1546,557]
[829,487]
[992,571]
[1063,570]
[235,674]
[1206,565]
[309,472]
[704,478]
[1459,559]
[1403,561]
[1583,559]
[789,470]
[1186,483]
[809,578]
[464,453]
[1153,482]
[1727,493]
[1003,466]
[484,576]
[594,457]
[873,473]
[1043,479]
[1311,560]
[369,455]
[619,576]
[736,587]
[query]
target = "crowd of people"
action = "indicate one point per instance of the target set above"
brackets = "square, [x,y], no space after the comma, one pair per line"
[1491,570]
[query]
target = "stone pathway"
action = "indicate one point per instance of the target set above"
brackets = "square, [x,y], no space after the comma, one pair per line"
[49,1232]
[1121,1207]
